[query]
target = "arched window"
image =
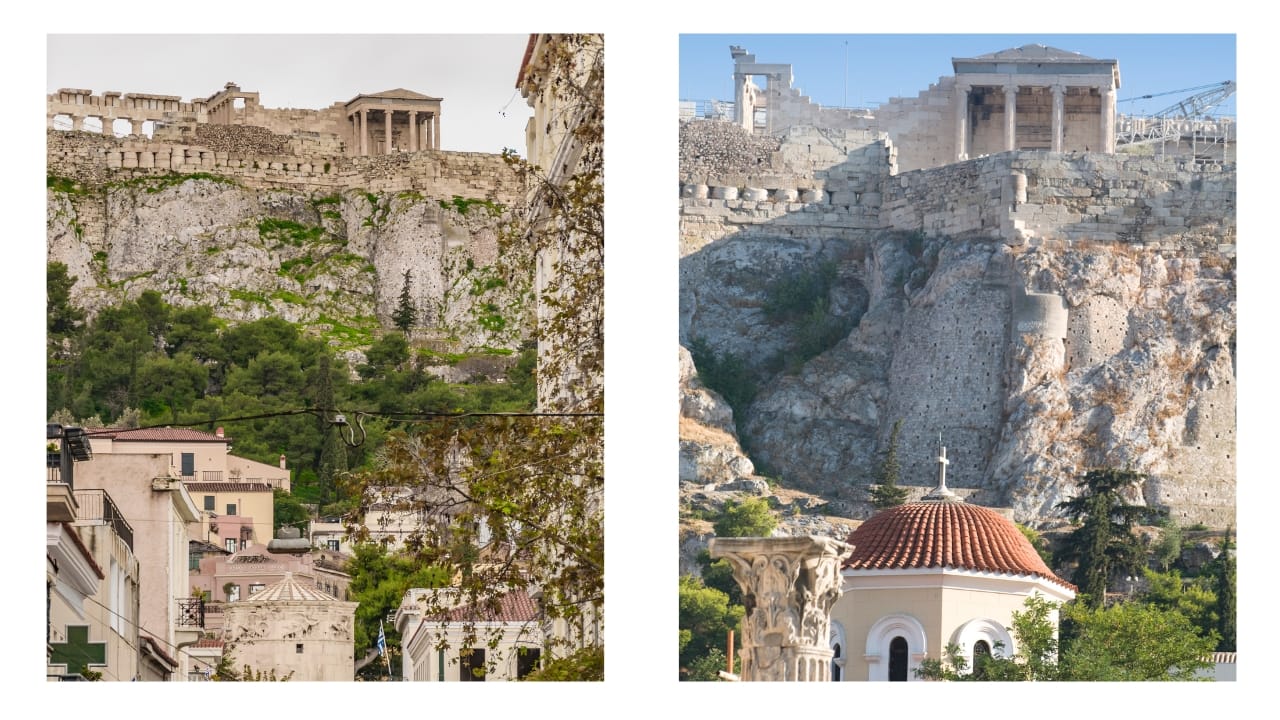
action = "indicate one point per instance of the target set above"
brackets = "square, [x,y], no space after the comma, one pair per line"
[983,635]
[898,660]
[895,646]
[981,654]
[838,645]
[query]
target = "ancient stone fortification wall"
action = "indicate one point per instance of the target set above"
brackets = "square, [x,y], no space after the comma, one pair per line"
[922,128]
[92,158]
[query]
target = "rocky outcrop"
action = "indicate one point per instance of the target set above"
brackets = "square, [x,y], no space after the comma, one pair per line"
[1043,313]
[334,262]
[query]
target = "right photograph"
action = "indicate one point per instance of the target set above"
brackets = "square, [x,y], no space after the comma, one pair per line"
[957,357]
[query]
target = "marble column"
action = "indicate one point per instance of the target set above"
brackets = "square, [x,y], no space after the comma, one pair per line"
[386,115]
[1010,117]
[364,132]
[742,113]
[789,585]
[1108,144]
[1059,92]
[435,131]
[413,130]
[962,122]
[136,126]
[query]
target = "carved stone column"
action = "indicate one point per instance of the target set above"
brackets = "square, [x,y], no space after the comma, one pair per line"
[1055,144]
[962,121]
[1011,117]
[1108,144]
[364,131]
[386,114]
[742,113]
[788,586]
[413,130]
[435,131]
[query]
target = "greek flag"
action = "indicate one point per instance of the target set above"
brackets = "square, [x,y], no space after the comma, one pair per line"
[382,641]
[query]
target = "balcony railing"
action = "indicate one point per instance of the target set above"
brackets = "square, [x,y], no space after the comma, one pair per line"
[96,507]
[211,476]
[190,613]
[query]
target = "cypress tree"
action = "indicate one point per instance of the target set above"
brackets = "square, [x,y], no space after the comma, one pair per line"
[405,315]
[887,493]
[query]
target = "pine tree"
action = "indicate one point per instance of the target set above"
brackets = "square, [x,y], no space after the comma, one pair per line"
[887,493]
[1103,543]
[405,315]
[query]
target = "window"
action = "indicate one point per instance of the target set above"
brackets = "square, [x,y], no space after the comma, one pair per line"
[471,666]
[208,503]
[255,588]
[898,660]
[298,648]
[333,544]
[527,661]
[188,465]
[231,508]
[231,544]
[233,593]
[981,656]
[835,662]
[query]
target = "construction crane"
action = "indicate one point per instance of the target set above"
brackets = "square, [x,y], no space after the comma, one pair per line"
[1176,120]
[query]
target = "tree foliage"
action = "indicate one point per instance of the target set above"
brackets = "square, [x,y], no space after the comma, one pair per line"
[1133,641]
[1104,543]
[405,316]
[887,493]
[1224,579]
[1125,641]
[748,518]
[706,617]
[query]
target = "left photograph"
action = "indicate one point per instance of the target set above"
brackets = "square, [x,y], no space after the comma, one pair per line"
[325,358]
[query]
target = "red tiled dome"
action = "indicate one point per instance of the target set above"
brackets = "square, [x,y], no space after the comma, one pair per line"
[945,534]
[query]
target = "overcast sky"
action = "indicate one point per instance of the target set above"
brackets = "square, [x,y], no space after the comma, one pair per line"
[474,74]
[879,67]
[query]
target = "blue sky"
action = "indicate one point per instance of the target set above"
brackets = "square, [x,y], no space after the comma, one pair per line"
[884,66]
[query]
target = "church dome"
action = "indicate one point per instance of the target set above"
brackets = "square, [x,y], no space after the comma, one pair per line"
[943,531]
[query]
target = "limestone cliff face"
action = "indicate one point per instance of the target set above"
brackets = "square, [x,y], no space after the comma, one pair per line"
[1044,313]
[334,261]
[1142,377]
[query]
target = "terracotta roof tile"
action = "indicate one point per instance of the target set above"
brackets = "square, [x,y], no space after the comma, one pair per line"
[515,606]
[945,534]
[154,434]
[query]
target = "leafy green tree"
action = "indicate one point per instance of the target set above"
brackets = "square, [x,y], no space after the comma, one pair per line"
[63,318]
[726,374]
[887,493]
[1133,641]
[170,384]
[707,668]
[1035,635]
[1038,542]
[706,617]
[718,574]
[586,664]
[405,316]
[1168,548]
[749,518]
[1104,543]
[378,582]
[1191,598]
[288,510]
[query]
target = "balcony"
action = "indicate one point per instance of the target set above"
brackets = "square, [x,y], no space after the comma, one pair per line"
[97,508]
[190,614]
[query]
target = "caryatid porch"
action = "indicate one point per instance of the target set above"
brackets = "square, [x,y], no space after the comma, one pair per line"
[1034,98]
[393,121]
